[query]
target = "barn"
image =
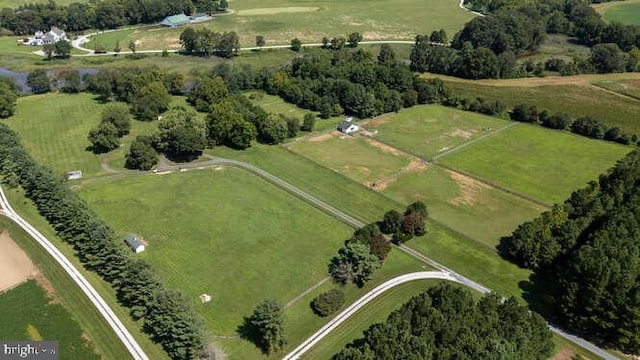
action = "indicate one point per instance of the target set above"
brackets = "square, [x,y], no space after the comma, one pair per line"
[134,243]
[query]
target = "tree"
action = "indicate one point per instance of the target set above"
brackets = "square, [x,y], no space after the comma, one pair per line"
[296,44]
[354,39]
[413,224]
[182,134]
[117,48]
[118,115]
[308,122]
[142,155]
[63,48]
[328,302]
[207,92]
[337,43]
[524,113]
[260,41]
[189,39]
[391,222]
[417,206]
[174,83]
[608,58]
[104,137]
[49,50]
[354,264]
[293,126]
[38,81]
[8,97]
[132,46]
[272,129]
[386,56]
[150,101]
[265,327]
[439,37]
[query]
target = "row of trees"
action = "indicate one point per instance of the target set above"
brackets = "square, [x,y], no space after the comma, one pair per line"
[365,252]
[107,14]
[8,97]
[585,255]
[167,315]
[446,322]
[206,42]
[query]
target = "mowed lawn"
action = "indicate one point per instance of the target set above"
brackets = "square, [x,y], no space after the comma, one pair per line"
[431,129]
[279,21]
[627,13]
[359,158]
[544,164]
[471,207]
[28,314]
[576,100]
[225,233]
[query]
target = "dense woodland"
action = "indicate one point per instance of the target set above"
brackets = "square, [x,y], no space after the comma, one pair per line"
[106,14]
[586,257]
[445,322]
[167,315]
[489,46]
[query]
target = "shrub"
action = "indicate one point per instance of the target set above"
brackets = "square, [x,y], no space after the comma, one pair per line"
[328,302]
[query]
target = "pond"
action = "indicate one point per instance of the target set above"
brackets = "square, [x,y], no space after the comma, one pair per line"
[20,78]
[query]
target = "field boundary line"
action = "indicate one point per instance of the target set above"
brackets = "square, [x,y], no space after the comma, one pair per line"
[473,141]
[613,92]
[295,299]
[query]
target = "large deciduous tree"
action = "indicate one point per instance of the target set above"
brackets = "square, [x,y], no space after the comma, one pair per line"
[150,101]
[142,155]
[354,264]
[265,327]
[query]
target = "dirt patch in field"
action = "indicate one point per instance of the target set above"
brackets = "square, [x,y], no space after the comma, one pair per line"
[321,138]
[383,183]
[468,189]
[461,133]
[384,147]
[564,354]
[277,10]
[416,165]
[15,265]
[48,288]
[379,121]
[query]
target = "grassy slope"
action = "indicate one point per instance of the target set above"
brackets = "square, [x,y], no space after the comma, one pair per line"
[188,219]
[26,209]
[28,307]
[561,96]
[544,164]
[330,19]
[627,13]
[630,87]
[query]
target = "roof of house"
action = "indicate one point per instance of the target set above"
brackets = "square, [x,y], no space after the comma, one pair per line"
[175,20]
[133,241]
[57,31]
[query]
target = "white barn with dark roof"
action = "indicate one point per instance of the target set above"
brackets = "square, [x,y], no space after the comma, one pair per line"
[134,243]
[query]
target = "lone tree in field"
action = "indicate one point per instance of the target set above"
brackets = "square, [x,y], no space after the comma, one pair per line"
[260,41]
[104,138]
[132,46]
[328,302]
[265,327]
[296,44]
[142,155]
[354,39]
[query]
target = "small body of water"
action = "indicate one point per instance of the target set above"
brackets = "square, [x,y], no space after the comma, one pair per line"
[20,78]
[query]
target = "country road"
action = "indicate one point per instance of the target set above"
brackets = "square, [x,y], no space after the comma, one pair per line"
[353,222]
[127,339]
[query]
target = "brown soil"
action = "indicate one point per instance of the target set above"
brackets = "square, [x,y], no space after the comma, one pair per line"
[375,122]
[15,265]
[564,354]
[461,133]
[384,147]
[383,183]
[416,165]
[48,288]
[468,189]
[321,138]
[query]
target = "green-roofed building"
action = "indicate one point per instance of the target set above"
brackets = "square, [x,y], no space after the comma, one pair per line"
[175,20]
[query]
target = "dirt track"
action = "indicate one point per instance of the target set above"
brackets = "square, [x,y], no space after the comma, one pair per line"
[15,266]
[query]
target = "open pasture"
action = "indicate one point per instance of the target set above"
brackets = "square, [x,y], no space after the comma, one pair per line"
[573,95]
[546,165]
[279,21]
[627,87]
[222,232]
[28,314]
[429,130]
[627,12]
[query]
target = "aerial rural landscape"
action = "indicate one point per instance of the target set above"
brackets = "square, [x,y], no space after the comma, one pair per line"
[281,179]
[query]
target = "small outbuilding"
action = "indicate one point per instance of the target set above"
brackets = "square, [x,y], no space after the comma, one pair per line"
[134,243]
[175,20]
[347,126]
[73,175]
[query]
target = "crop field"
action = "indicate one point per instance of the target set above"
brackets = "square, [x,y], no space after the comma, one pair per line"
[429,130]
[279,21]
[28,314]
[574,95]
[627,13]
[208,230]
[546,165]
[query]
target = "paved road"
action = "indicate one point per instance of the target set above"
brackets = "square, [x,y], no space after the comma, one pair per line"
[353,308]
[127,339]
[448,274]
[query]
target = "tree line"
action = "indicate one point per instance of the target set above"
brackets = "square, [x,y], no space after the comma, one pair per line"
[8,97]
[488,47]
[167,315]
[585,254]
[107,14]
[446,322]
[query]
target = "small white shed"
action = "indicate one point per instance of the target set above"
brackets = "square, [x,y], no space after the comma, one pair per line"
[134,243]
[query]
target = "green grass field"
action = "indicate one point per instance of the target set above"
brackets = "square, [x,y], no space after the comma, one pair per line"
[560,95]
[279,21]
[28,315]
[209,232]
[429,130]
[630,87]
[546,165]
[627,13]
[17,3]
